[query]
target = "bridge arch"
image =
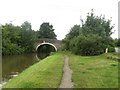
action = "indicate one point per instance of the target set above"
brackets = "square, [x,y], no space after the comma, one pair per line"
[46,43]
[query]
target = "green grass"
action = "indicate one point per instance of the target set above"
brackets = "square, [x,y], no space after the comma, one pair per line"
[88,72]
[44,74]
[114,54]
[94,71]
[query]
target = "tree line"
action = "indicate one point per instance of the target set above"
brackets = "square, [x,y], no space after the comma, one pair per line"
[92,37]
[20,39]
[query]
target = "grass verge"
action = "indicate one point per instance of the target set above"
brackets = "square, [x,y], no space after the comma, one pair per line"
[94,71]
[45,74]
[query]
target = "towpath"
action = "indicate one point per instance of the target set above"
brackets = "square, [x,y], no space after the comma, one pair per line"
[66,81]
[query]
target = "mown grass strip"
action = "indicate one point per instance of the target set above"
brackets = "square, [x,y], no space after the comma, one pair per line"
[44,74]
[94,71]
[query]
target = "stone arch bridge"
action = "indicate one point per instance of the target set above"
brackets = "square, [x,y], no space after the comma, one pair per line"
[52,42]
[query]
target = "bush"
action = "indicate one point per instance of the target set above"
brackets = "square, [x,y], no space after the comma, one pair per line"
[111,49]
[87,45]
[118,43]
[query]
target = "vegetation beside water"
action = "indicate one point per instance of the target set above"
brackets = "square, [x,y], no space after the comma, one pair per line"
[21,39]
[88,72]
[91,38]
[45,74]
[17,39]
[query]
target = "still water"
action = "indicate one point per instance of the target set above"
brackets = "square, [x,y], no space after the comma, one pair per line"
[14,64]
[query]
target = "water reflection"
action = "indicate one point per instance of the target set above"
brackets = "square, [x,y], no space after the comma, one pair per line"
[44,51]
[41,56]
[14,64]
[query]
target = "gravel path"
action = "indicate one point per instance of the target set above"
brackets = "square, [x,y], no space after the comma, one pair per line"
[66,81]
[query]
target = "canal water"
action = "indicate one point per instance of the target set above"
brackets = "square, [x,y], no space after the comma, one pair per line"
[14,64]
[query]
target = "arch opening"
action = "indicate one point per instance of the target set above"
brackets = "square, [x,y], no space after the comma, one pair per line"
[44,50]
[46,44]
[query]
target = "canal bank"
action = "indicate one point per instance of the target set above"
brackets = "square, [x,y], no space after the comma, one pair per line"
[46,73]
[88,72]
[12,65]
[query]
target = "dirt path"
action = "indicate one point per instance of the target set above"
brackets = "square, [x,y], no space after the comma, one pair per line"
[66,81]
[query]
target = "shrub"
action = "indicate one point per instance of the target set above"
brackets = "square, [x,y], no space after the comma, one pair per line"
[111,49]
[87,45]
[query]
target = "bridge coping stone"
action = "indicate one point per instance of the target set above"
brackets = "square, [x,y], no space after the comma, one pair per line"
[55,42]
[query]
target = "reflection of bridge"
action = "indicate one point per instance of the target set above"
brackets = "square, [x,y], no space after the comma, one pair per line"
[52,42]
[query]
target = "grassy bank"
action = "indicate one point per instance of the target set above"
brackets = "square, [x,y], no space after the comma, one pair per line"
[88,72]
[113,54]
[44,74]
[94,71]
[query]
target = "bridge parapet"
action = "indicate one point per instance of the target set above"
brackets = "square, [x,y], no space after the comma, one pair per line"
[47,40]
[55,42]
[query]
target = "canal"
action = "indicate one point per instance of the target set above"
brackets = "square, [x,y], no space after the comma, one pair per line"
[15,64]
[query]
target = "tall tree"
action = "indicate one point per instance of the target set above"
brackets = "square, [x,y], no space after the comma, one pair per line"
[27,37]
[74,32]
[97,25]
[10,39]
[17,39]
[92,38]
[46,31]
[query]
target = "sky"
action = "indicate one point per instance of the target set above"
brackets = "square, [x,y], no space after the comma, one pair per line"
[62,14]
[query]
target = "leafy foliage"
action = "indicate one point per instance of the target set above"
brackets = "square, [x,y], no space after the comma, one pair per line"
[10,38]
[118,42]
[46,31]
[20,39]
[16,39]
[27,37]
[92,38]
[87,45]
[74,32]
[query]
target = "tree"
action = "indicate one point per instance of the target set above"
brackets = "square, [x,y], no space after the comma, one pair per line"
[10,39]
[46,31]
[118,42]
[97,25]
[16,39]
[27,37]
[92,38]
[74,32]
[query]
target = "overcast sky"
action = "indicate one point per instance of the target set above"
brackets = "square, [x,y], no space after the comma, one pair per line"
[62,14]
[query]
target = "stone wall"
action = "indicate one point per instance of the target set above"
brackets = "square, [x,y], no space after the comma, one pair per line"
[55,42]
